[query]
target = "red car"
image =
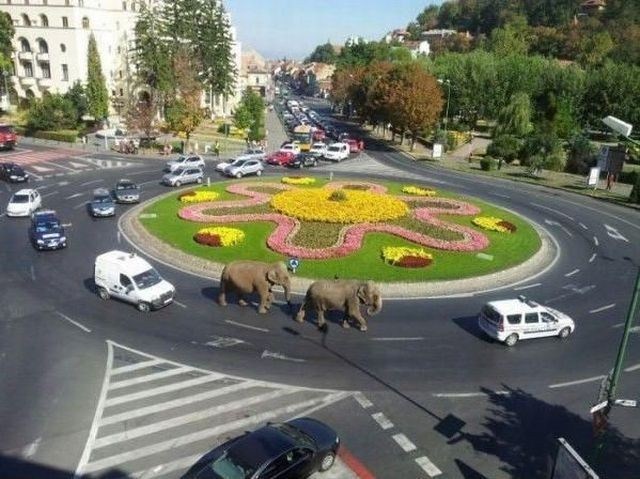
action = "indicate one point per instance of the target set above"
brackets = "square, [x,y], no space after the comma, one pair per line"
[8,137]
[355,146]
[319,135]
[280,158]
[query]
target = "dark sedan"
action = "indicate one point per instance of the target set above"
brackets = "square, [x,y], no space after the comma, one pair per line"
[302,160]
[291,450]
[13,173]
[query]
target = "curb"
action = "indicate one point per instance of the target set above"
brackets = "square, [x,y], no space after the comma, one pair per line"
[136,234]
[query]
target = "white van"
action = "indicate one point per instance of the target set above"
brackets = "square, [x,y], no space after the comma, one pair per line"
[337,152]
[130,278]
[511,320]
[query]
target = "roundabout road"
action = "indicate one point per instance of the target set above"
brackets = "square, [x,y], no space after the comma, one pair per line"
[431,388]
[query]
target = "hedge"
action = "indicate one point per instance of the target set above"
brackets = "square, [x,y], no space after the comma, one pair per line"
[68,136]
[628,177]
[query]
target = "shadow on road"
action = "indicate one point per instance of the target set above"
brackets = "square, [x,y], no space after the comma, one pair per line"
[17,468]
[470,325]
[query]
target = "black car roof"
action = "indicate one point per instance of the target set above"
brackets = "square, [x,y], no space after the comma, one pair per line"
[261,446]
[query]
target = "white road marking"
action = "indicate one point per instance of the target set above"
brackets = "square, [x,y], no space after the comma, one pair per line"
[460,295]
[78,165]
[362,400]
[75,195]
[63,183]
[428,466]
[583,226]
[87,183]
[595,241]
[501,195]
[58,165]
[135,367]
[574,272]
[224,342]
[555,211]
[471,395]
[579,381]
[275,355]
[30,449]
[404,442]
[604,308]
[528,286]
[630,369]
[615,234]
[417,338]
[254,328]
[50,194]
[147,378]
[33,273]
[40,169]
[75,323]
[178,303]
[177,465]
[80,205]
[382,420]
[36,176]
[563,228]
[143,172]
[593,257]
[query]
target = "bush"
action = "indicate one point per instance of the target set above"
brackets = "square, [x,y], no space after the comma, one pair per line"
[635,192]
[628,177]
[488,163]
[506,147]
[52,113]
[69,136]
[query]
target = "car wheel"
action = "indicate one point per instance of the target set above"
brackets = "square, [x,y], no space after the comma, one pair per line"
[178,184]
[103,293]
[238,175]
[144,307]
[511,340]
[199,180]
[327,461]
[259,173]
[564,333]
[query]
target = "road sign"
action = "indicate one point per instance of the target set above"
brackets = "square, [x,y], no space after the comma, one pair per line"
[294,264]
[437,150]
[598,406]
[626,402]
[618,126]
[594,174]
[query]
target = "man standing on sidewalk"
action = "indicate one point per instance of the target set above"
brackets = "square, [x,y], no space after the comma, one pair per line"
[216,149]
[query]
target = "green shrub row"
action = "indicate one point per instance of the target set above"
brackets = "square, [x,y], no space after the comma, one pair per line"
[68,136]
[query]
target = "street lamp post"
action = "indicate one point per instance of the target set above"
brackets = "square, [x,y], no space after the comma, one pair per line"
[446,117]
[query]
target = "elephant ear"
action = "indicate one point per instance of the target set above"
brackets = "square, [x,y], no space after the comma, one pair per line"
[362,292]
[272,275]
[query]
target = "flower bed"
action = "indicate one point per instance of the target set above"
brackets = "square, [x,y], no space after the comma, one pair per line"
[406,257]
[417,191]
[298,180]
[219,236]
[494,224]
[198,196]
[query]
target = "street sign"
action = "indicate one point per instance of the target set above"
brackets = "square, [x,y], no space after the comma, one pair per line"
[437,150]
[594,175]
[626,402]
[598,406]
[618,126]
[294,264]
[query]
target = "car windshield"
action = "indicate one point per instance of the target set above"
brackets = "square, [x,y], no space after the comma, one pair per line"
[295,433]
[334,148]
[43,227]
[6,129]
[147,279]
[227,466]
[102,199]
[20,199]
[178,172]
[126,186]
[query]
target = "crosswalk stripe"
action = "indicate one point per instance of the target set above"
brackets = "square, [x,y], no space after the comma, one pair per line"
[119,459]
[145,411]
[78,165]
[135,367]
[147,378]
[211,412]
[163,389]
[161,470]
[41,169]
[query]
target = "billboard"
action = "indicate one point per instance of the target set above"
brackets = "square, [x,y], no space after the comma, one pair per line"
[569,464]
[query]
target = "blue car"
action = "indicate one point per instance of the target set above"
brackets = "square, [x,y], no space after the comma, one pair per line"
[46,231]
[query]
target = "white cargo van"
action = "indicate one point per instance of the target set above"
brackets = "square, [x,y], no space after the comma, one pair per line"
[130,278]
[337,152]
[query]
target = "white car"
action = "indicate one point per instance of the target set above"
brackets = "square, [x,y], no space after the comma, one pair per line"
[511,320]
[184,161]
[337,152]
[244,168]
[318,150]
[253,154]
[291,147]
[24,203]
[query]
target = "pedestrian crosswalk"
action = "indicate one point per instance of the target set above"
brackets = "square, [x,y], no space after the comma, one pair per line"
[25,157]
[366,165]
[155,417]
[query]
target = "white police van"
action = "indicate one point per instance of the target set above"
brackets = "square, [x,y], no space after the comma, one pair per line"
[511,320]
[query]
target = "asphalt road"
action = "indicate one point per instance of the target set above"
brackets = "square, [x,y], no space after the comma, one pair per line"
[433,394]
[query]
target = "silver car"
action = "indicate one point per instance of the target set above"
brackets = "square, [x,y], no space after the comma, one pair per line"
[182,176]
[253,154]
[243,168]
[185,161]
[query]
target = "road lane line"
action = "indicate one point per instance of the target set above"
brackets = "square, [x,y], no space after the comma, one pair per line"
[135,367]
[416,338]
[579,381]
[119,459]
[87,183]
[178,303]
[593,257]
[50,194]
[555,211]
[604,308]
[574,272]
[362,400]
[75,323]
[595,241]
[33,273]
[58,165]
[471,395]
[529,286]
[254,328]
[80,205]
[133,433]
[75,195]
[181,464]
[632,368]
[428,466]
[323,404]
[183,401]
[382,420]
[147,378]
[404,442]
[583,226]
[30,449]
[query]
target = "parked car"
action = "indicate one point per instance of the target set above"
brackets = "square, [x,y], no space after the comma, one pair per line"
[126,191]
[244,168]
[291,450]
[280,158]
[24,203]
[46,231]
[511,320]
[185,161]
[13,173]
[253,154]
[8,137]
[355,146]
[337,152]
[291,147]
[183,176]
[102,204]
[318,150]
[223,164]
[303,160]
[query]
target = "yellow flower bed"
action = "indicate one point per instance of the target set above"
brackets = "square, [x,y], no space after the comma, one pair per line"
[415,190]
[226,236]
[492,224]
[393,254]
[198,196]
[297,180]
[315,204]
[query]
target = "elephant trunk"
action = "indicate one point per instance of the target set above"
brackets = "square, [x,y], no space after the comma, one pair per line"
[287,291]
[375,306]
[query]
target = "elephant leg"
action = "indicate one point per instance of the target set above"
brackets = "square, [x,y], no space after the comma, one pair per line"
[264,305]
[222,297]
[300,315]
[354,312]
[321,321]
[241,300]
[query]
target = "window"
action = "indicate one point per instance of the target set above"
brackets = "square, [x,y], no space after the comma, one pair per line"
[81,3]
[125,281]
[121,92]
[547,318]
[46,70]
[65,22]
[124,6]
[24,45]
[63,47]
[45,2]
[120,74]
[44,21]
[514,318]
[67,2]
[25,20]
[28,69]
[42,46]
[65,72]
[531,318]
[85,23]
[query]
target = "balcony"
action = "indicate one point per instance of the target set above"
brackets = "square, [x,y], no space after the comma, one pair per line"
[45,82]
[27,81]
[25,55]
[42,57]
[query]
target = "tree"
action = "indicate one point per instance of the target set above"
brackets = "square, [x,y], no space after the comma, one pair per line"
[515,118]
[52,112]
[250,114]
[7,31]
[77,96]
[242,117]
[150,54]
[97,96]
[510,39]
[594,48]
[505,146]
[580,154]
[322,54]
[141,114]
[634,197]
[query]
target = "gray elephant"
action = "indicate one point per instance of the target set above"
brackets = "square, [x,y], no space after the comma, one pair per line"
[246,277]
[342,294]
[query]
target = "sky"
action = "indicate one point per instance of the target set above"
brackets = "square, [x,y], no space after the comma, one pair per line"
[293,28]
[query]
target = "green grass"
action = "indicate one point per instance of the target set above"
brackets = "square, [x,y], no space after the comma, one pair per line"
[507,249]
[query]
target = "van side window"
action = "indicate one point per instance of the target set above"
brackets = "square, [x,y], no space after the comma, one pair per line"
[547,318]
[531,318]
[125,281]
[514,318]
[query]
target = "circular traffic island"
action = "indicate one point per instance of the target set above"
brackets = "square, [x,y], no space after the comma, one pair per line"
[386,231]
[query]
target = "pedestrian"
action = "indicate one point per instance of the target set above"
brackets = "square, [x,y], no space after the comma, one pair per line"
[216,149]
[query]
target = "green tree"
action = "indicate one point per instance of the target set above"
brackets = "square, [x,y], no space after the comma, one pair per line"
[634,197]
[151,54]
[242,117]
[52,112]
[515,118]
[580,154]
[510,39]
[7,31]
[505,146]
[97,96]
[594,48]
[77,96]
[324,53]
[250,114]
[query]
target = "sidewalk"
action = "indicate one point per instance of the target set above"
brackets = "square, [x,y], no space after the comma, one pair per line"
[276,134]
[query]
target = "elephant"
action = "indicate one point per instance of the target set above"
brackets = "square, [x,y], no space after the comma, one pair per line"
[342,294]
[246,277]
